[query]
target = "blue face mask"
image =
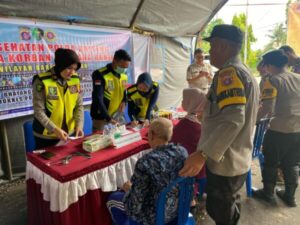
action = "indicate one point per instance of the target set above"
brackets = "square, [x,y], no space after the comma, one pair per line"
[120,70]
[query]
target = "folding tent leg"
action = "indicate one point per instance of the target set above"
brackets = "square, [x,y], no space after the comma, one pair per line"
[6,152]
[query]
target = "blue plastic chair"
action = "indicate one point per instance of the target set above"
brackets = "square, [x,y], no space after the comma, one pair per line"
[186,189]
[88,123]
[201,186]
[257,153]
[28,135]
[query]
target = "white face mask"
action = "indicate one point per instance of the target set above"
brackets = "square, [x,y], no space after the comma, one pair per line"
[120,70]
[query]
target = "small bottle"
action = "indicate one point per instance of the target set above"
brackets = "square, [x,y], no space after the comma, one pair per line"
[105,130]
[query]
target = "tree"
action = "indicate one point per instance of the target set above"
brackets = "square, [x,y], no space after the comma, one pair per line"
[240,21]
[206,33]
[277,37]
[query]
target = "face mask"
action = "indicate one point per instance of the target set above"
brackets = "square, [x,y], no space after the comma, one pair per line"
[120,70]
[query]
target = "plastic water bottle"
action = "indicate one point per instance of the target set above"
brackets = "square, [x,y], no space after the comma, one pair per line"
[106,130]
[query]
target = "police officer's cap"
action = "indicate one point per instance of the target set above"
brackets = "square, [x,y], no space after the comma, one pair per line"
[227,32]
[276,58]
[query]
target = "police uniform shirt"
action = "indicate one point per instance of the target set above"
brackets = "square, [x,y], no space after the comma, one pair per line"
[282,92]
[229,119]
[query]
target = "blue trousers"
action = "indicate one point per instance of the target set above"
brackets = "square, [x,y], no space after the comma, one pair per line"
[116,208]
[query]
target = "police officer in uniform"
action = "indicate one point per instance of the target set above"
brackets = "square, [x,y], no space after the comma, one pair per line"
[142,98]
[109,90]
[57,102]
[281,144]
[227,127]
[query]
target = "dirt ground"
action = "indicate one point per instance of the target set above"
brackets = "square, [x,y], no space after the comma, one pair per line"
[13,207]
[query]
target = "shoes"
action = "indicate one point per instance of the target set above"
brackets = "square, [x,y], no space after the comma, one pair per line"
[263,195]
[289,201]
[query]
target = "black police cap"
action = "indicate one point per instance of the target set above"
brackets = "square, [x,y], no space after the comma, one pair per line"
[227,32]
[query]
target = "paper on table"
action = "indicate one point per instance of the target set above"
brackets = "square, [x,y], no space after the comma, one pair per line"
[73,137]
[62,142]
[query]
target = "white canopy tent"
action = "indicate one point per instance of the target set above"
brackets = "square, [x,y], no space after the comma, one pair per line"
[171,23]
[165,17]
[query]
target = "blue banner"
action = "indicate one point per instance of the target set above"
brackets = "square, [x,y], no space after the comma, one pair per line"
[28,49]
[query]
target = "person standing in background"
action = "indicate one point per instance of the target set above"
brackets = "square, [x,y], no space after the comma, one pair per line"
[293,59]
[109,90]
[199,73]
[57,102]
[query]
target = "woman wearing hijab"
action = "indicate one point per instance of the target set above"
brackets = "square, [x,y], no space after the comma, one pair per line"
[57,103]
[281,97]
[188,131]
[142,98]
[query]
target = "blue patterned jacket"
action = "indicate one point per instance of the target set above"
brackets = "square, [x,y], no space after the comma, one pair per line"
[152,173]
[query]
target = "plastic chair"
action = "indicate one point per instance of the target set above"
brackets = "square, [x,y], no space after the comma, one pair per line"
[257,153]
[185,186]
[28,135]
[201,186]
[88,123]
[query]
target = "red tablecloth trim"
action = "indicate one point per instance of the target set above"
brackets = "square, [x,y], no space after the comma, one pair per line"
[90,209]
[79,165]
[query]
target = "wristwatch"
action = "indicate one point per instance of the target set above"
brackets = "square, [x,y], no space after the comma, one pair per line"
[203,155]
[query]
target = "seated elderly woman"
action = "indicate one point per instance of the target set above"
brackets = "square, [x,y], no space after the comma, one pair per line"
[188,131]
[153,172]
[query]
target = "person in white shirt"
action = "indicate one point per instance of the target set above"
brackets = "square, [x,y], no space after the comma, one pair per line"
[199,73]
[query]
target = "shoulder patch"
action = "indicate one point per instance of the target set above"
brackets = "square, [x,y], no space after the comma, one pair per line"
[268,91]
[39,87]
[230,88]
[97,82]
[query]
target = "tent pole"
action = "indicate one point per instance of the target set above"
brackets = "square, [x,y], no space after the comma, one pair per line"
[6,152]
[136,14]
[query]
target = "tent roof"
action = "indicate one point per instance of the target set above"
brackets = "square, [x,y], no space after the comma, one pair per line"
[165,17]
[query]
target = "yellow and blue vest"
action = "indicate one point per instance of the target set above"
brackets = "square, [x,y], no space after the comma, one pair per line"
[60,101]
[140,101]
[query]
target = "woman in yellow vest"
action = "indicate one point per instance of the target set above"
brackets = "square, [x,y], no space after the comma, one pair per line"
[57,103]
[142,98]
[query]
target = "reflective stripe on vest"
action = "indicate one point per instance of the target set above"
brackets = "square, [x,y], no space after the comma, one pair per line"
[60,102]
[114,90]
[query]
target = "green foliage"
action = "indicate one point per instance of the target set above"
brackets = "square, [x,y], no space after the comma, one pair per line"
[240,21]
[277,37]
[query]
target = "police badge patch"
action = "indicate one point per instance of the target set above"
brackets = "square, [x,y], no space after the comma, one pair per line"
[110,85]
[138,102]
[124,83]
[52,93]
[227,78]
[39,87]
[73,89]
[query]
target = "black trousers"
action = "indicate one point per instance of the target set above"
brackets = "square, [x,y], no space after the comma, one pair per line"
[223,201]
[41,143]
[281,150]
